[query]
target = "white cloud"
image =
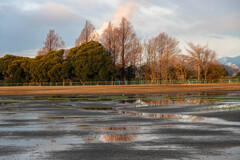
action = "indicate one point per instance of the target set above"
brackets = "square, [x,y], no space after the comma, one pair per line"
[54,13]
[26,53]
[215,22]
[156,11]
[30,6]
[224,45]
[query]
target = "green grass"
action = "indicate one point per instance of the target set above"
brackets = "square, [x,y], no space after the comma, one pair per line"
[5,103]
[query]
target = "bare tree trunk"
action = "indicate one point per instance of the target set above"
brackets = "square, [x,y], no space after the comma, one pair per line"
[199,71]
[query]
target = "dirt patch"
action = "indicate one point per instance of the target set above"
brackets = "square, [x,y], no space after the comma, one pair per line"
[111,90]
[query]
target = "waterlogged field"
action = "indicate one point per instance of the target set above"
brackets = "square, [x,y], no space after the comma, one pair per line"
[165,126]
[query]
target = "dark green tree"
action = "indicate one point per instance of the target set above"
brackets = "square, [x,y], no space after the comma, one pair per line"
[42,66]
[130,72]
[18,72]
[5,62]
[91,62]
[238,75]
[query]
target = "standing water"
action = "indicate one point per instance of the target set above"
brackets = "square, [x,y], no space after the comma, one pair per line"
[164,126]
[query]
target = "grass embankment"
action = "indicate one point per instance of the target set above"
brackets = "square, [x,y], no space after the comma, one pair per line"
[114,90]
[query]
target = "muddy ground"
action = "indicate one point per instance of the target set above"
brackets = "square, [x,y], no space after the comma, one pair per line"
[158,126]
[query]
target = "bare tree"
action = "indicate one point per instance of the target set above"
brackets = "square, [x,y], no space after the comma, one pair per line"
[180,62]
[166,46]
[151,59]
[109,39]
[196,57]
[141,58]
[126,36]
[134,55]
[53,42]
[88,34]
[209,58]
[42,51]
[159,50]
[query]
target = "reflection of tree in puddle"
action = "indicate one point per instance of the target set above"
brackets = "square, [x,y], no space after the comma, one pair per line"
[115,137]
[161,102]
[119,138]
[53,141]
[185,118]
[234,94]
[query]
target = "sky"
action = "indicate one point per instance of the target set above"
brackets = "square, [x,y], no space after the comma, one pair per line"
[24,24]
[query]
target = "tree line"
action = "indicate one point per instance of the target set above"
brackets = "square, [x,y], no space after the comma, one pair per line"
[116,54]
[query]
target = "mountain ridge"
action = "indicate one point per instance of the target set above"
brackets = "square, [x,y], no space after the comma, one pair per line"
[230,60]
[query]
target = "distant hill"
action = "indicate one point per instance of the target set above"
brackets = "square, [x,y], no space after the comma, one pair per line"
[232,65]
[230,60]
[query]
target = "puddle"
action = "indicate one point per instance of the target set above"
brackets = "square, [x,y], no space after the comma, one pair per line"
[114,135]
[62,124]
[83,125]
[157,148]
[128,129]
[118,138]
[54,128]
[195,101]
[60,117]
[164,100]
[127,101]
[225,107]
[166,126]
[8,113]
[177,117]
[184,118]
[10,109]
[96,108]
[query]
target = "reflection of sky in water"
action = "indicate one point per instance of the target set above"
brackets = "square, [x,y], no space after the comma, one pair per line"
[153,147]
[105,128]
[39,146]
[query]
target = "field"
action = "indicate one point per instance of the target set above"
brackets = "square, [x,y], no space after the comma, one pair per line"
[202,125]
[120,122]
[113,90]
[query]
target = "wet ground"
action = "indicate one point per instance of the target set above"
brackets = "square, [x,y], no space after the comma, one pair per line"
[175,126]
